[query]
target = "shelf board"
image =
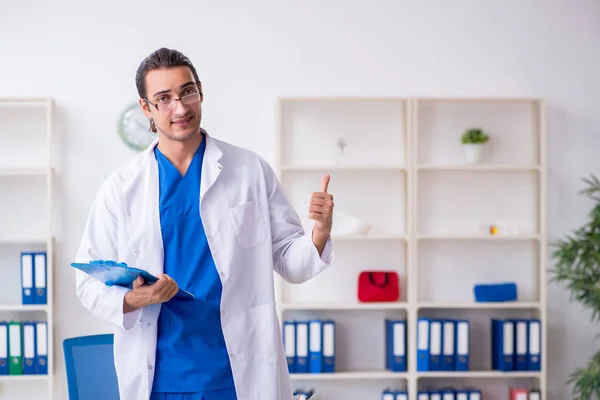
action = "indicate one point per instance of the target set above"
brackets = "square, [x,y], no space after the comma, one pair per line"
[23,378]
[23,240]
[479,374]
[349,99]
[25,102]
[525,305]
[24,307]
[336,168]
[34,171]
[366,238]
[476,237]
[479,99]
[345,306]
[350,375]
[478,167]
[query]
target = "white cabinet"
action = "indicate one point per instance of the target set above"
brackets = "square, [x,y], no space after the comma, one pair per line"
[399,173]
[27,186]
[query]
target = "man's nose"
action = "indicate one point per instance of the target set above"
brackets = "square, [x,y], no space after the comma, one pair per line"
[180,107]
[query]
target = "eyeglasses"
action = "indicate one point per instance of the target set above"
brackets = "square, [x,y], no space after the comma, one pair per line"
[169,104]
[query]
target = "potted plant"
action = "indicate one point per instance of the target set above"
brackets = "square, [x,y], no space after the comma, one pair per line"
[473,140]
[577,265]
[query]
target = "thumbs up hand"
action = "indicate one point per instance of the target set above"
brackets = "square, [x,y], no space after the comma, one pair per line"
[321,211]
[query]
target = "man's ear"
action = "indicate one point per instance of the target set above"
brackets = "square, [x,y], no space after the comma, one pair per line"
[145,108]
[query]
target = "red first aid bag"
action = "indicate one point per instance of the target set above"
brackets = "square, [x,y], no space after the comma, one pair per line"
[378,286]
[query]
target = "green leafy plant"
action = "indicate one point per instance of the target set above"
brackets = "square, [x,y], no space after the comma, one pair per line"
[474,136]
[577,265]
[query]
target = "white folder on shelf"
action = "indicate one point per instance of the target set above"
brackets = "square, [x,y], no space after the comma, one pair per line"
[29,359]
[27,278]
[435,346]
[41,348]
[447,362]
[3,348]
[40,269]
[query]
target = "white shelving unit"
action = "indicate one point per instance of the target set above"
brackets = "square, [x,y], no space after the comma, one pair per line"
[27,184]
[403,172]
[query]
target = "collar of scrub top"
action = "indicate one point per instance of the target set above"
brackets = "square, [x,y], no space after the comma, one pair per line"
[211,150]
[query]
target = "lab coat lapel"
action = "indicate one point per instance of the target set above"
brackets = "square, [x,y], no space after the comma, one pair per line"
[211,167]
[141,198]
[141,194]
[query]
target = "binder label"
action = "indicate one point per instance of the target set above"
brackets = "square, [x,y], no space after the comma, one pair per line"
[3,342]
[462,347]
[42,339]
[423,340]
[534,338]
[14,333]
[328,340]
[290,340]
[29,343]
[399,347]
[40,271]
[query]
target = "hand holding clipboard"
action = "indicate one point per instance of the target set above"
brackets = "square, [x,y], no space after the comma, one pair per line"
[113,273]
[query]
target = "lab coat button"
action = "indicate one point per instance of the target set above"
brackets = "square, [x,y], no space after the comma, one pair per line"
[128,212]
[222,312]
[231,355]
[148,324]
[209,237]
[150,367]
[137,251]
[222,274]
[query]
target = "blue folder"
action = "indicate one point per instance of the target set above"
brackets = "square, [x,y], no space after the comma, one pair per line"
[423,337]
[4,346]
[41,348]
[27,278]
[40,272]
[289,343]
[503,344]
[28,346]
[395,329]
[315,349]
[120,274]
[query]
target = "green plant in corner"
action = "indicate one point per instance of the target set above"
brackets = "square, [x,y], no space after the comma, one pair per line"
[577,265]
[474,136]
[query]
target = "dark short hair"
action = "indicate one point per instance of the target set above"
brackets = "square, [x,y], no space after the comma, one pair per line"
[161,58]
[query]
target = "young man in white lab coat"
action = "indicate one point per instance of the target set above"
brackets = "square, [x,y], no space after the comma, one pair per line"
[211,218]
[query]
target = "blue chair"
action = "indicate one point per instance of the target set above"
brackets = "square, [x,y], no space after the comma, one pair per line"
[90,369]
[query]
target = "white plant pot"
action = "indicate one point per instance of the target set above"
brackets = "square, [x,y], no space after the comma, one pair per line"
[473,153]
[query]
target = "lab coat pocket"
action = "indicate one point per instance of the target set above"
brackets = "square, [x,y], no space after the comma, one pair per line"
[265,324]
[248,224]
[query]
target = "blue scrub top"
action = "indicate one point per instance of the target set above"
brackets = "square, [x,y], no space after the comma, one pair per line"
[191,355]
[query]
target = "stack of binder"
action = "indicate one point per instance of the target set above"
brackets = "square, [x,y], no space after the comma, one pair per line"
[33,277]
[389,394]
[395,345]
[443,345]
[516,344]
[450,393]
[309,346]
[23,348]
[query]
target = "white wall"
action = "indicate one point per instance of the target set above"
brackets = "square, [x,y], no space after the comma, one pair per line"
[85,54]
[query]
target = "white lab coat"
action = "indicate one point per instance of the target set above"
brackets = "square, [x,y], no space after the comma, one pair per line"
[252,230]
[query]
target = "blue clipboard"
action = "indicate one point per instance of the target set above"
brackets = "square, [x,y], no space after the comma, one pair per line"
[114,273]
